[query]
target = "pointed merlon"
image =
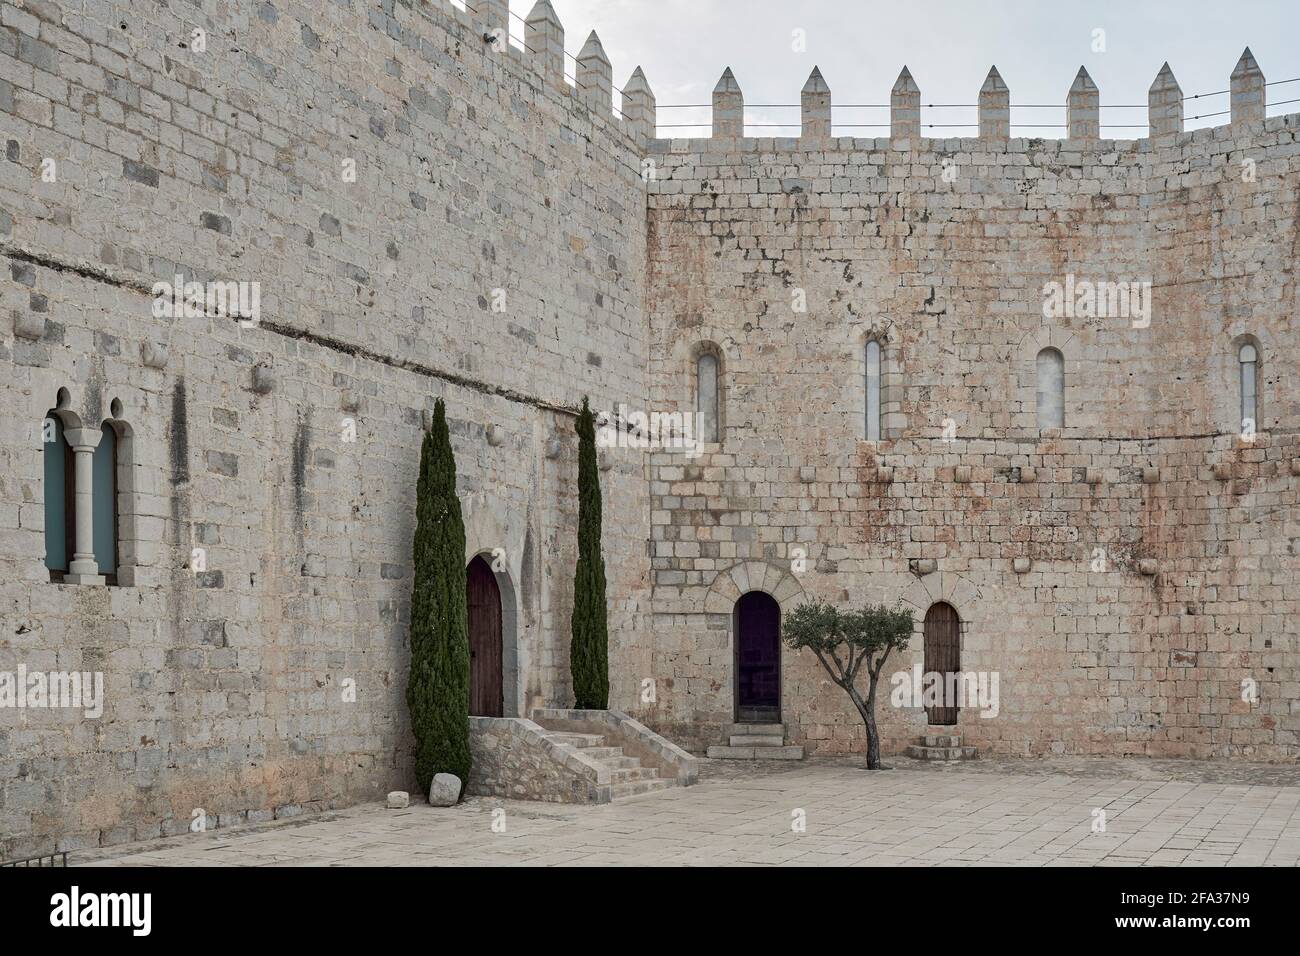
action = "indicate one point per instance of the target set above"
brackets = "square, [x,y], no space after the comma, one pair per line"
[493,18]
[905,108]
[1165,104]
[544,37]
[727,83]
[728,107]
[639,107]
[993,82]
[816,102]
[816,82]
[592,50]
[1083,82]
[1083,108]
[595,77]
[995,107]
[905,83]
[1248,103]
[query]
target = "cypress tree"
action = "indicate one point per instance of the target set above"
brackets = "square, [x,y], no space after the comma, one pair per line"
[589,648]
[437,691]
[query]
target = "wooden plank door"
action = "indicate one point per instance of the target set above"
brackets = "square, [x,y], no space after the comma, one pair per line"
[484,599]
[942,655]
[758,658]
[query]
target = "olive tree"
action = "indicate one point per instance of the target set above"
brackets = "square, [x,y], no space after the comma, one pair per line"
[845,640]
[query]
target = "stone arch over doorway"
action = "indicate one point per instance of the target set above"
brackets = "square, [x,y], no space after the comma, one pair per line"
[746,576]
[754,595]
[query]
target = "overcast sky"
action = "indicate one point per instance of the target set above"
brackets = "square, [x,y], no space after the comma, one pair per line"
[683,46]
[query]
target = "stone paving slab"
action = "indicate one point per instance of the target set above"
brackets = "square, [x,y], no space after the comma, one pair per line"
[980,813]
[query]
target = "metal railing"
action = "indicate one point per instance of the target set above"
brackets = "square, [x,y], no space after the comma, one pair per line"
[55,859]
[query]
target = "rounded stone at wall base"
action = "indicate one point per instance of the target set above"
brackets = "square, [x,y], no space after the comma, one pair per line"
[444,791]
[1148,566]
[398,800]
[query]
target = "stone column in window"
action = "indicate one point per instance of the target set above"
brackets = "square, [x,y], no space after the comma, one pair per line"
[83,569]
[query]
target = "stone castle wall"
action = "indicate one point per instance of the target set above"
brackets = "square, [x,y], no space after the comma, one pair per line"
[496,249]
[941,249]
[225,688]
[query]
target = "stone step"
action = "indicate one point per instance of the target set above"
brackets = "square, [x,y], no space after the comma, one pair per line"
[940,740]
[629,774]
[637,787]
[621,763]
[603,753]
[755,753]
[581,741]
[765,729]
[756,740]
[940,753]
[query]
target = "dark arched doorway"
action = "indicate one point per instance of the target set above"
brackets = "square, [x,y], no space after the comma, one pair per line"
[943,657]
[484,600]
[758,658]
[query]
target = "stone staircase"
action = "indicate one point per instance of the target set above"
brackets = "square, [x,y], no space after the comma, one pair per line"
[940,744]
[628,777]
[755,742]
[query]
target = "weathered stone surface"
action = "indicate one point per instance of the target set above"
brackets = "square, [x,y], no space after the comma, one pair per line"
[444,790]
[398,800]
[284,689]
[264,483]
[517,758]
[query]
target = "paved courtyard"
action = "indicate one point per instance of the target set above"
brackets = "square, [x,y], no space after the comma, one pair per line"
[987,812]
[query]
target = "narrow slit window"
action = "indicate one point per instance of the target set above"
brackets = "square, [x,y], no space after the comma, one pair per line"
[706,396]
[1248,359]
[873,391]
[60,517]
[103,509]
[1050,392]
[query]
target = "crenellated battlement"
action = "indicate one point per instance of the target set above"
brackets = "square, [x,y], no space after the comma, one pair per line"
[1082,108]
[542,51]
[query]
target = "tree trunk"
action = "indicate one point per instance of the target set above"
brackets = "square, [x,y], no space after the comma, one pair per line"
[867,711]
[873,735]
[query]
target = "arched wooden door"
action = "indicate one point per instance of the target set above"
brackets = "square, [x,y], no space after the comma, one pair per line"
[758,658]
[484,599]
[942,656]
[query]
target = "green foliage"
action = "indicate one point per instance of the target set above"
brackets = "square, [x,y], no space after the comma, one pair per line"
[866,635]
[589,647]
[845,640]
[437,690]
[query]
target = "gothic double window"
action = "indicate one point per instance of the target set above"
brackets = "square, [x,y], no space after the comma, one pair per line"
[80,470]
